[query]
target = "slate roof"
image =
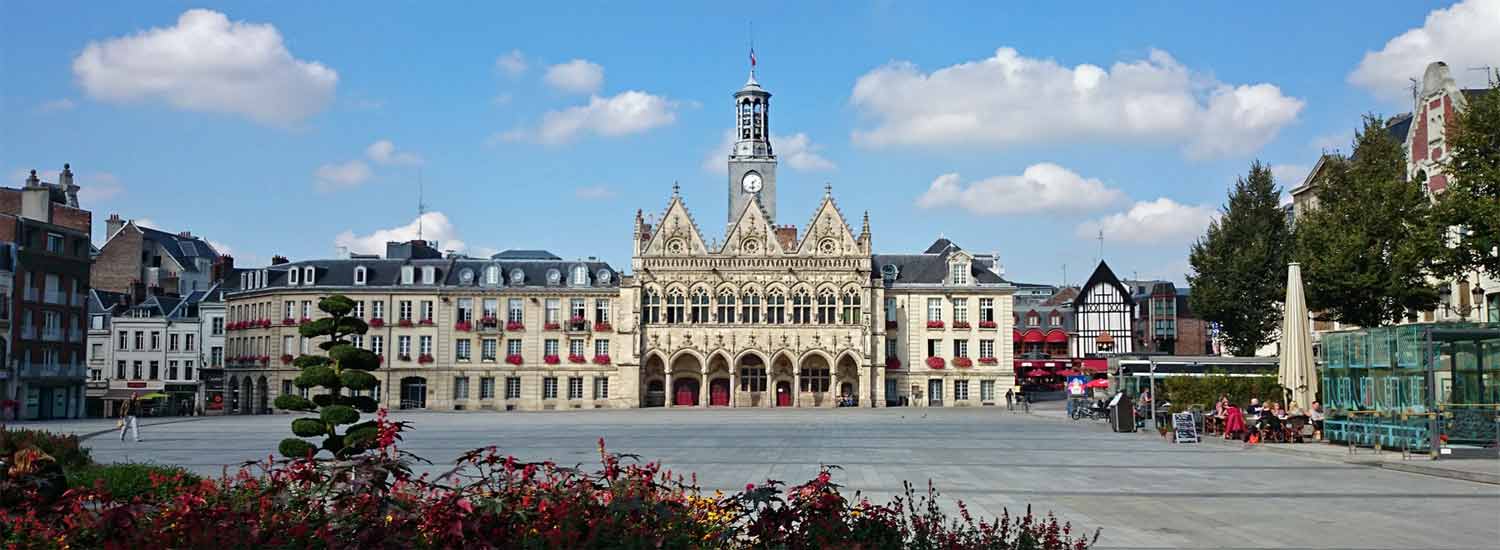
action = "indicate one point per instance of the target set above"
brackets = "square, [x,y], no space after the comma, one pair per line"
[534,270]
[1103,275]
[524,255]
[104,301]
[931,266]
[185,250]
[1398,126]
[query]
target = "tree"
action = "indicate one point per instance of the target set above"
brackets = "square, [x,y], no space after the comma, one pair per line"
[1471,202]
[1239,264]
[1371,244]
[344,367]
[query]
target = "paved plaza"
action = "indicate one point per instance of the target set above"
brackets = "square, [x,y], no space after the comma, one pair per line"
[1143,491]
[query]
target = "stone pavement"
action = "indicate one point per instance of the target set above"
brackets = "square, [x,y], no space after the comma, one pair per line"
[1143,491]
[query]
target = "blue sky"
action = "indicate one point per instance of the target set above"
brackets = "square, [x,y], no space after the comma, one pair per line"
[294,128]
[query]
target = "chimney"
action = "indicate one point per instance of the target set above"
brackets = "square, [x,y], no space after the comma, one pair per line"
[224,267]
[185,235]
[279,259]
[112,225]
[137,292]
[65,181]
[36,200]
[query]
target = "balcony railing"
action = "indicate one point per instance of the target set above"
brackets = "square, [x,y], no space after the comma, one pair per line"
[52,334]
[29,294]
[54,297]
[52,370]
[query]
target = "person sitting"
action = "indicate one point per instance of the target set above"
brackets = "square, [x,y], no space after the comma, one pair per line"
[1271,428]
[1221,407]
[1253,411]
[1315,415]
[1234,423]
[1277,411]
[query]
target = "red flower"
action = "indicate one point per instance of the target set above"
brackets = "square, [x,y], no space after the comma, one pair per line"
[551,359]
[935,362]
[425,322]
[404,323]
[265,323]
[988,360]
[749,487]
[551,326]
[892,363]
[514,326]
[934,324]
[602,326]
[463,326]
[377,323]
[987,324]
[265,359]
[286,358]
[514,359]
[963,362]
[577,358]
[601,359]
[960,324]
[288,321]
[424,359]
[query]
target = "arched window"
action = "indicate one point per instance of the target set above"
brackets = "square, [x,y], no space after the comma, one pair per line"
[308,275]
[580,276]
[801,308]
[492,275]
[676,307]
[554,277]
[726,306]
[1056,320]
[360,275]
[517,277]
[827,307]
[1033,320]
[750,307]
[699,312]
[650,307]
[851,308]
[775,308]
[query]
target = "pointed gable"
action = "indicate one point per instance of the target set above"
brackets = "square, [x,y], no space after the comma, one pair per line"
[677,234]
[752,234]
[828,234]
[1102,275]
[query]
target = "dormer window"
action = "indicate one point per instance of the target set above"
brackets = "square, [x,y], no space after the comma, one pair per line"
[958,273]
[1056,320]
[360,275]
[244,280]
[429,275]
[466,276]
[309,275]
[492,275]
[517,277]
[602,277]
[580,276]
[1032,319]
[554,277]
[408,274]
[293,277]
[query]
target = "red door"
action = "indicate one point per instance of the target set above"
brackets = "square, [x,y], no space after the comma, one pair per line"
[783,394]
[686,393]
[718,393]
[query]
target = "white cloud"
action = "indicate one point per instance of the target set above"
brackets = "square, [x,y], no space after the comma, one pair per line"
[384,152]
[56,105]
[1152,222]
[97,187]
[513,64]
[1043,187]
[1009,100]
[146,222]
[630,112]
[336,177]
[1464,35]
[798,150]
[434,226]
[579,76]
[594,192]
[1289,175]
[208,63]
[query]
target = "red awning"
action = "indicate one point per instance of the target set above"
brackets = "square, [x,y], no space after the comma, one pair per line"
[1034,336]
[1097,383]
[1067,372]
[1017,334]
[1057,336]
[1094,365]
[1037,373]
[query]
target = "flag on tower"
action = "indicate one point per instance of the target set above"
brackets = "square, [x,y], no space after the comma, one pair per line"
[752,57]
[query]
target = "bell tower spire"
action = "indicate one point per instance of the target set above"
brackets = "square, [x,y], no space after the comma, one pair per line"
[752,162]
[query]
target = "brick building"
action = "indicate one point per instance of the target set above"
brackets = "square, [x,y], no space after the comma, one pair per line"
[176,263]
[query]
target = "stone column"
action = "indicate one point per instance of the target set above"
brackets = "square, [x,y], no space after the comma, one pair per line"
[796,390]
[703,386]
[734,388]
[666,388]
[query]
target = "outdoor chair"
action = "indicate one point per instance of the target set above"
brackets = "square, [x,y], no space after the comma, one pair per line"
[1298,427]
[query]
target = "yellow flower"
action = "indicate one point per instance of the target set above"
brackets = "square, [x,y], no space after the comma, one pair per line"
[389,518]
[854,513]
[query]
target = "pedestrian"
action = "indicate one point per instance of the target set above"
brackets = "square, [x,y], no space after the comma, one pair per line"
[128,411]
[1010,397]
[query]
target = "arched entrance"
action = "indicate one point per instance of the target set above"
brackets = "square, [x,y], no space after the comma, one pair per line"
[247,396]
[653,386]
[685,392]
[753,377]
[656,394]
[234,395]
[263,403]
[413,392]
[718,392]
[783,394]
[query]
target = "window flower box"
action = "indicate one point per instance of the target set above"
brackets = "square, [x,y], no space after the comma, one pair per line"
[576,358]
[286,359]
[404,323]
[936,362]
[463,326]
[265,359]
[404,357]
[551,326]
[425,322]
[988,324]
[380,359]
[891,325]
[424,359]
[265,323]
[288,321]
[892,363]
[551,359]
[934,324]
[960,324]
[963,362]
[988,360]
[377,323]
[602,326]
[514,359]
[304,320]
[514,326]
[489,321]
[601,359]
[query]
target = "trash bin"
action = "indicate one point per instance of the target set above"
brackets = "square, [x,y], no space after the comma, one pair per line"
[1122,413]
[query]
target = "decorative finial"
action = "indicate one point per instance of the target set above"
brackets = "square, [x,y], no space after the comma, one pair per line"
[827,189]
[675,188]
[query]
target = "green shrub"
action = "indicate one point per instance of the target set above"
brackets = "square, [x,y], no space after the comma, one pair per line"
[127,481]
[65,449]
[1185,391]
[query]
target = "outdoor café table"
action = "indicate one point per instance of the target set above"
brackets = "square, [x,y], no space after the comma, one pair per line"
[1213,424]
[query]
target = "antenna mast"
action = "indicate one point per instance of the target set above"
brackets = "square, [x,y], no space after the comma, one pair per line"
[421,205]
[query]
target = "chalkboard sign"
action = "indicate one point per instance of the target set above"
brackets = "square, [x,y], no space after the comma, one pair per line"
[1185,428]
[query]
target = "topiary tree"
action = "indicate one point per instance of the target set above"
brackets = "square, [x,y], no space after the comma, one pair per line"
[343,367]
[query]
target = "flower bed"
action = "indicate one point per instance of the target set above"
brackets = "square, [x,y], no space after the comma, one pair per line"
[377,323]
[934,324]
[551,359]
[288,321]
[424,359]
[963,362]
[988,360]
[286,358]
[425,322]
[551,326]
[601,359]
[602,327]
[514,326]
[960,324]
[404,323]
[304,320]
[988,324]
[936,362]
[514,359]
[265,323]
[577,358]
[463,326]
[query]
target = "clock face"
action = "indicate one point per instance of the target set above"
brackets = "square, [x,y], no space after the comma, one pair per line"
[751,183]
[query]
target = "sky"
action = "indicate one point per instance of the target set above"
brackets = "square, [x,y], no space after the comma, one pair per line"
[303,129]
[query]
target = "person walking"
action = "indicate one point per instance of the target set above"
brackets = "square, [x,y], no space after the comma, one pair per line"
[1010,399]
[128,411]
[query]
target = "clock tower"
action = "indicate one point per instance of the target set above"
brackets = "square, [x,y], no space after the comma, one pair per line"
[752,164]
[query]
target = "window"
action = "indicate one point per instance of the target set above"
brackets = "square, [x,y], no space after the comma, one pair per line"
[287,344]
[490,308]
[986,310]
[775,308]
[308,275]
[601,348]
[403,346]
[726,307]
[960,348]
[487,388]
[650,307]
[513,346]
[601,388]
[123,341]
[815,380]
[934,347]
[358,340]
[218,326]
[408,274]
[750,308]
[307,309]
[429,275]
[377,345]
[135,370]
[465,310]
[960,390]
[291,309]
[1055,319]
[934,309]
[577,310]
[554,277]
[55,243]
[699,312]
[172,370]
[286,387]
[549,347]
[187,342]
[377,310]
[487,349]
[216,356]
[513,387]
[852,314]
[827,307]
[427,310]
[676,311]
[156,370]
[461,387]
[492,275]
[549,387]
[575,347]
[424,345]
[155,340]
[890,348]
[753,379]
[513,310]
[986,349]
[359,275]
[517,277]
[293,276]
[174,342]
[575,387]
[96,352]
[986,390]
[461,349]
[801,308]
[960,310]
[404,311]
[601,310]
[359,309]
[1033,320]
[96,322]
[119,370]
[958,273]
[580,276]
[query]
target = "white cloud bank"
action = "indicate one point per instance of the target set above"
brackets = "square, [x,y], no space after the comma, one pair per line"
[513,63]
[579,76]
[798,151]
[384,152]
[1152,222]
[208,63]
[1009,99]
[1464,35]
[630,112]
[338,177]
[435,226]
[1041,188]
